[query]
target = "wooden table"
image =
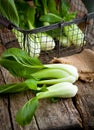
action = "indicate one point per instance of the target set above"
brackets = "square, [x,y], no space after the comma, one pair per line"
[65,114]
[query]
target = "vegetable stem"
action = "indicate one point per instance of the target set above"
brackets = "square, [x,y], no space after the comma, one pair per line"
[70,79]
[72,70]
[63,89]
[50,73]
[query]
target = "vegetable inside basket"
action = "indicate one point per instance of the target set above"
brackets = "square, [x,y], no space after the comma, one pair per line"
[48,32]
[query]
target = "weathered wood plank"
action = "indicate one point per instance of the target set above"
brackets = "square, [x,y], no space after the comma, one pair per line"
[65,114]
[5,123]
[16,102]
[85,104]
[61,115]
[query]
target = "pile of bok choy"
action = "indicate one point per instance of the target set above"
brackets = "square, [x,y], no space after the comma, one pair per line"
[23,15]
[71,33]
[29,16]
[45,80]
[34,14]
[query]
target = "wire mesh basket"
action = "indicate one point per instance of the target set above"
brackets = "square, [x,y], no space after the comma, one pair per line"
[89,32]
[51,41]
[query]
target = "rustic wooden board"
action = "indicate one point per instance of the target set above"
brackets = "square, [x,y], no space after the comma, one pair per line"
[5,123]
[15,101]
[65,114]
[49,115]
[60,115]
[57,116]
[85,104]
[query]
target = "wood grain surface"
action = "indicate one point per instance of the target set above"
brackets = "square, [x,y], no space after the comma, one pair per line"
[64,114]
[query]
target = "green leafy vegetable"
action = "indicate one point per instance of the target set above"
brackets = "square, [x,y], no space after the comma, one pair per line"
[18,61]
[64,41]
[75,35]
[51,18]
[38,78]
[26,113]
[32,84]
[65,12]
[8,9]
[69,78]
[20,56]
[72,70]
[46,42]
[52,7]
[27,21]
[49,73]
[13,88]
[64,90]
[29,43]
[72,32]
[16,68]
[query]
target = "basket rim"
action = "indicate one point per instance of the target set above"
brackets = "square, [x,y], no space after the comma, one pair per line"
[61,24]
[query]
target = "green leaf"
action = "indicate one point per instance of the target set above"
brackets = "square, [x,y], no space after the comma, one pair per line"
[65,12]
[31,83]
[44,4]
[8,10]
[36,3]
[64,8]
[19,63]
[21,7]
[13,88]
[42,88]
[18,87]
[16,68]
[51,18]
[52,8]
[28,13]
[70,16]
[26,113]
[20,56]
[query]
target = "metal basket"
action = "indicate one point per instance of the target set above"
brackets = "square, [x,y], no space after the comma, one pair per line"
[56,31]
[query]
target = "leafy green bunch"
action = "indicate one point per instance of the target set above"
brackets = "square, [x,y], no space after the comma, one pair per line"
[44,80]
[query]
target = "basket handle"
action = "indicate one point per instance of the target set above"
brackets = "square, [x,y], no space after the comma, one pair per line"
[5,22]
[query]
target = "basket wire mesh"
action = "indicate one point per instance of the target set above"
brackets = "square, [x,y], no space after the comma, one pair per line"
[57,34]
[89,34]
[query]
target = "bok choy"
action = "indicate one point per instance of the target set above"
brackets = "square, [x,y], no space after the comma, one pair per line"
[72,32]
[46,42]
[63,89]
[60,90]
[34,43]
[48,73]
[46,81]
[29,43]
